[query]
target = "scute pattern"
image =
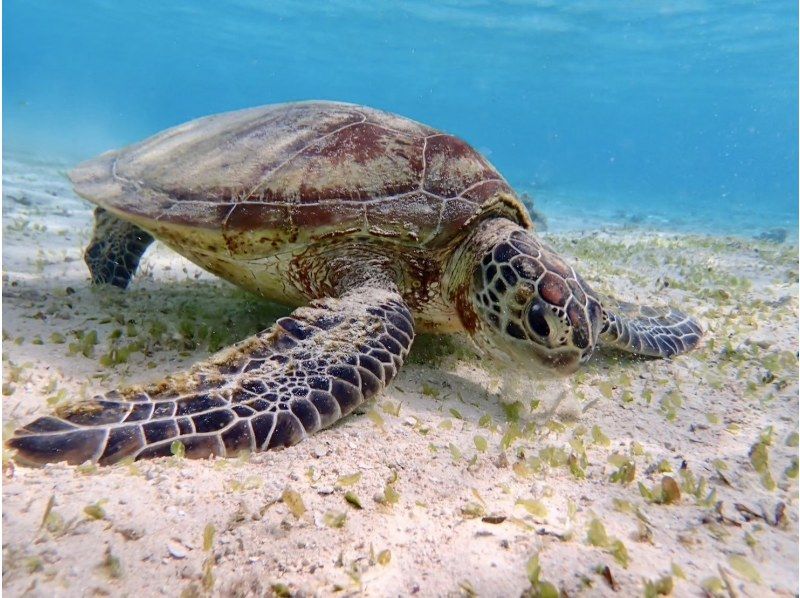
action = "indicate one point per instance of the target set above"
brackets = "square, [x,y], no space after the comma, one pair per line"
[521,268]
[271,390]
[647,330]
[115,249]
[290,172]
[370,217]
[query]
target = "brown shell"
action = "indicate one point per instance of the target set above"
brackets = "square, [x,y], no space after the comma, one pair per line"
[298,173]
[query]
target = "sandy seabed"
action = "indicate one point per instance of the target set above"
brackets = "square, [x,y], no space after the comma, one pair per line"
[633,476]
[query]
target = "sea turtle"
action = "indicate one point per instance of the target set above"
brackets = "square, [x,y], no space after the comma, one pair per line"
[376,226]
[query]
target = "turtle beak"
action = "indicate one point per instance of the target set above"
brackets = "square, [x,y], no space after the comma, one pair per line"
[563,362]
[566,362]
[586,354]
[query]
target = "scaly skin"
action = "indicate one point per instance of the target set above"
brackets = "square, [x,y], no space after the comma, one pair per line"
[521,302]
[648,331]
[515,296]
[116,247]
[271,390]
[368,216]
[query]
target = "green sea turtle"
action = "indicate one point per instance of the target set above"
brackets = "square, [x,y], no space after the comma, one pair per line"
[376,225]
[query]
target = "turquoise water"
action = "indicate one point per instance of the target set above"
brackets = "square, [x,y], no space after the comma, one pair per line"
[676,115]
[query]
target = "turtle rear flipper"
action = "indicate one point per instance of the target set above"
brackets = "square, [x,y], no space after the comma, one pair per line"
[307,371]
[115,249]
[648,331]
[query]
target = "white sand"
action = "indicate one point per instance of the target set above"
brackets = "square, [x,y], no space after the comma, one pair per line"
[705,412]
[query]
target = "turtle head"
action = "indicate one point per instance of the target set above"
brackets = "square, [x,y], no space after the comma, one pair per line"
[532,307]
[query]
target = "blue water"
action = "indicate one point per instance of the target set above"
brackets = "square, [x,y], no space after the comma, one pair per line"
[677,114]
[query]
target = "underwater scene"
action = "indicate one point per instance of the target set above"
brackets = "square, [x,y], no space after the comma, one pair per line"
[452,298]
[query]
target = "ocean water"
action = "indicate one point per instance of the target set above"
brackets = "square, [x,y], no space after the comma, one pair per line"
[676,115]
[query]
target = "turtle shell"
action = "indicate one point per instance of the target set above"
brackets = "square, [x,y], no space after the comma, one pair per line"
[295,173]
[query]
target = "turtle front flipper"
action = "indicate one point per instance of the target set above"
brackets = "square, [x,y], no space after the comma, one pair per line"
[115,249]
[271,390]
[647,330]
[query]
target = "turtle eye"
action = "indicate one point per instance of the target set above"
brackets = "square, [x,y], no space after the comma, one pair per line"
[537,321]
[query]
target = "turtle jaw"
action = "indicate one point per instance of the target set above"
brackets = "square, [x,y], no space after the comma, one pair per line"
[530,357]
[563,362]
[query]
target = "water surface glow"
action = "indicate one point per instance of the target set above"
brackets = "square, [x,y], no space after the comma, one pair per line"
[679,114]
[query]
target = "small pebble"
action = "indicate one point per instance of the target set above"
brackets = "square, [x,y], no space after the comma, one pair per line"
[176,550]
[131,533]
